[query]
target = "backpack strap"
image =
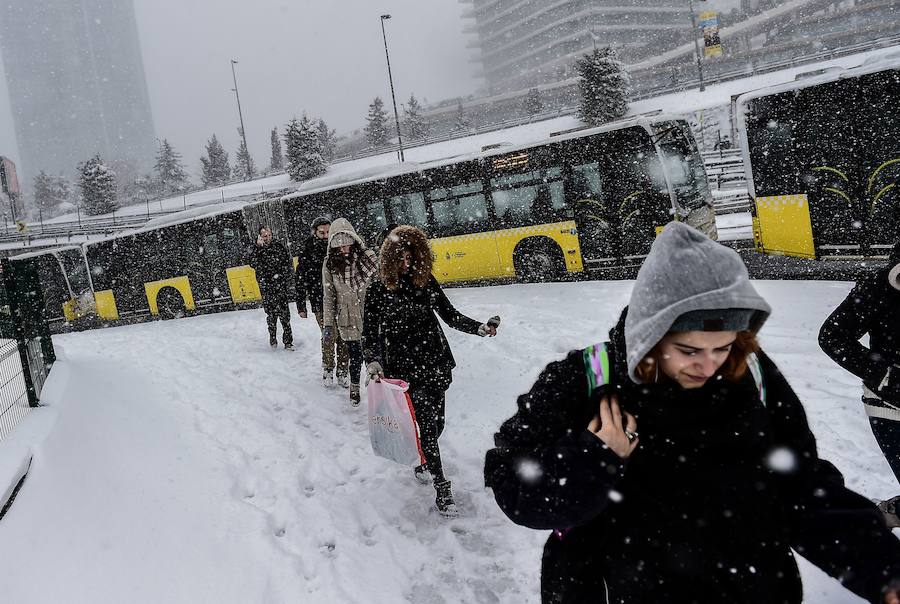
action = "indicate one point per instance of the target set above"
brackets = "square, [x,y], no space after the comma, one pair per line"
[596,366]
[755,367]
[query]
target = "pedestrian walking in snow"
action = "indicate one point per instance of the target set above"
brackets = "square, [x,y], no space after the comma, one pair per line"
[873,307]
[272,263]
[308,280]
[674,461]
[402,339]
[345,277]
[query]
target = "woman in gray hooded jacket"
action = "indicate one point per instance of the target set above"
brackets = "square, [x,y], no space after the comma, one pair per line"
[346,273]
[674,462]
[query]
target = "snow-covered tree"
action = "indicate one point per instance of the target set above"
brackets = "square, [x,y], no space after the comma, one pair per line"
[327,140]
[462,120]
[304,150]
[533,104]
[603,85]
[98,187]
[243,162]
[51,194]
[376,124]
[416,126]
[216,169]
[170,174]
[277,161]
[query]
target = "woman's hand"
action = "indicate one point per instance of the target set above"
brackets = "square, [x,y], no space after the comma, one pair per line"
[608,426]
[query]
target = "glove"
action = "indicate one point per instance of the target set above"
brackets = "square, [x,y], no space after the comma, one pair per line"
[328,333]
[374,372]
[486,329]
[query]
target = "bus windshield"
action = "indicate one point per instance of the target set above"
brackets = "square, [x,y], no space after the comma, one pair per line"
[682,163]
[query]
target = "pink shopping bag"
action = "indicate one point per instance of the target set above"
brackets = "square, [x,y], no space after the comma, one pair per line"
[392,422]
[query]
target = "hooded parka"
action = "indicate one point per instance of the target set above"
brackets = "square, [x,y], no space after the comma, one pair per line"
[344,294]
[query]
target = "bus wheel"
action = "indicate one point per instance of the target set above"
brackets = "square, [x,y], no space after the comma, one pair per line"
[170,304]
[539,259]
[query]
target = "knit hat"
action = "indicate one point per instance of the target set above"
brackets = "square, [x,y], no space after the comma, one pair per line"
[340,239]
[687,272]
[319,221]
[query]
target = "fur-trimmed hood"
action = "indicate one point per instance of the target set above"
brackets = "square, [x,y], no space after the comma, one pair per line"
[405,237]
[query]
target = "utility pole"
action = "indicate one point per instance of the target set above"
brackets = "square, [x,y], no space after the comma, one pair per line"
[696,44]
[240,114]
[391,80]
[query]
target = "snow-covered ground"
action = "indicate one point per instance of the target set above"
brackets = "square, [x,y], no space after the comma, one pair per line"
[185,461]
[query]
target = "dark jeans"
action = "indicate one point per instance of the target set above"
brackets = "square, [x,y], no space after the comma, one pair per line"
[428,403]
[354,351]
[887,434]
[276,310]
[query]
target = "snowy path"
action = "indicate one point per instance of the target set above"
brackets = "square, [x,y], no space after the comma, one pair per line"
[192,463]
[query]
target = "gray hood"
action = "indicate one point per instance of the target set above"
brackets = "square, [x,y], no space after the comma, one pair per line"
[685,271]
[342,225]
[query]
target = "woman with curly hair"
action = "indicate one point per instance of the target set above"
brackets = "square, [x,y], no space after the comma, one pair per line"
[402,339]
[724,481]
[346,273]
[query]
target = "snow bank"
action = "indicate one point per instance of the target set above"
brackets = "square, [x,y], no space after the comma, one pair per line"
[191,463]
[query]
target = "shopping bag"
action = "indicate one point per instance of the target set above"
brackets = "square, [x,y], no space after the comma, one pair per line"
[392,422]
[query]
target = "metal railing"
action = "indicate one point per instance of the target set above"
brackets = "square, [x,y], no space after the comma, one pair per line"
[14,404]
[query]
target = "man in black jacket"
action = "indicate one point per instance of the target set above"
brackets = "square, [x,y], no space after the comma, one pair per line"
[308,280]
[272,263]
[873,307]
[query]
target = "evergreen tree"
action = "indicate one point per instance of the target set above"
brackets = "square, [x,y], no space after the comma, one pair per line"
[277,161]
[243,163]
[462,120]
[533,104]
[376,124]
[98,187]
[170,174]
[304,150]
[327,140]
[216,169]
[416,126]
[604,86]
[50,193]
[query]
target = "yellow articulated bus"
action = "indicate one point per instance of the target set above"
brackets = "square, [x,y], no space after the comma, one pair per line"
[822,156]
[583,202]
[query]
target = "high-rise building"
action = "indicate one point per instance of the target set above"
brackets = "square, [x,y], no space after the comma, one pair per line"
[526,43]
[76,84]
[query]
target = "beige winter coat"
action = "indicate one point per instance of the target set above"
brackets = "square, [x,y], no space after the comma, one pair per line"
[343,299]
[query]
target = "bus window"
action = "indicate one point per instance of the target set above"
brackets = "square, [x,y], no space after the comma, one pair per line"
[410,209]
[536,197]
[459,210]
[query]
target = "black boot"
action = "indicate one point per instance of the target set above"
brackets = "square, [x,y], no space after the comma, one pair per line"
[444,499]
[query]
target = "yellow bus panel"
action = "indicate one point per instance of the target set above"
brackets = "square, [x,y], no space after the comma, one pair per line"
[563,233]
[179,283]
[243,285]
[783,226]
[106,305]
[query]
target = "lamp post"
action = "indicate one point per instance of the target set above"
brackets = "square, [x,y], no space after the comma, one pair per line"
[696,44]
[240,114]
[391,80]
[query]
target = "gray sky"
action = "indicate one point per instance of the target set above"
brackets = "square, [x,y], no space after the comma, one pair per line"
[324,57]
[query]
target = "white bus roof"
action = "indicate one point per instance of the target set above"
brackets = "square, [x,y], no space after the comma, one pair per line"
[376,173]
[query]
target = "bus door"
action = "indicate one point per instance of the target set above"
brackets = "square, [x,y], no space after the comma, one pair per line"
[637,193]
[879,154]
[463,242]
[596,217]
[825,141]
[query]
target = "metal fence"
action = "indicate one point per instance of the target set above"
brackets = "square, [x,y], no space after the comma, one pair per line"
[26,348]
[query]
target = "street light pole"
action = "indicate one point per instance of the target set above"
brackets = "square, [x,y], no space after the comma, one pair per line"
[240,113]
[696,44]
[391,80]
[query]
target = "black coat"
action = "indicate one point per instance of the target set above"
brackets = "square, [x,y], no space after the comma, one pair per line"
[696,514]
[873,307]
[308,277]
[272,264]
[401,331]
